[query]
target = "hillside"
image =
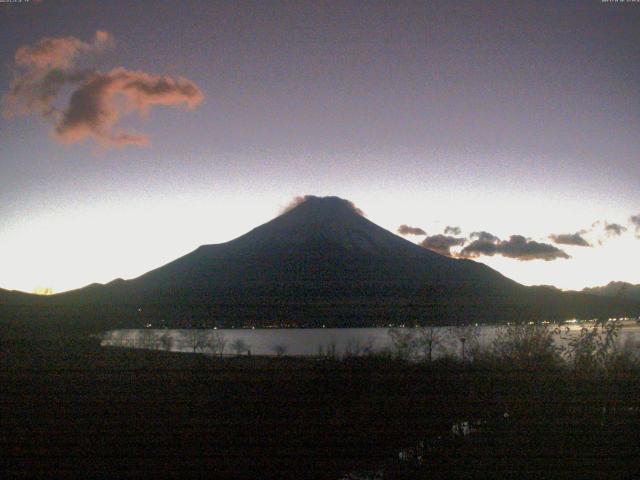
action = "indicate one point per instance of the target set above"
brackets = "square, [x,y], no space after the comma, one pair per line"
[621,290]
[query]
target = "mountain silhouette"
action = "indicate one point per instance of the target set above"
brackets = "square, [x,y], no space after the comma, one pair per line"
[624,290]
[323,263]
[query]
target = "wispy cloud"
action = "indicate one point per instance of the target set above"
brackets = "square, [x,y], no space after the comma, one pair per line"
[98,100]
[50,53]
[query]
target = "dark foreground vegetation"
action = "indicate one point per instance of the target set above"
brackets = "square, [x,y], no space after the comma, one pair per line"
[71,407]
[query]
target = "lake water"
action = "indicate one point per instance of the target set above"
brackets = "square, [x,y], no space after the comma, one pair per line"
[315,341]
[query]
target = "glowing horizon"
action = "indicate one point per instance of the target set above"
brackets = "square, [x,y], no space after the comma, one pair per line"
[158,232]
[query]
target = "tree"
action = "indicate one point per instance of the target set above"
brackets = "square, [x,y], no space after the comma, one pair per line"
[218,342]
[114,338]
[147,339]
[166,341]
[206,339]
[240,346]
[429,340]
[418,343]
[403,340]
[356,348]
[280,349]
[198,339]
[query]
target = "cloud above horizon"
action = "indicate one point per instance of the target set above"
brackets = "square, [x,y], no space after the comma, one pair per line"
[442,244]
[98,100]
[635,221]
[484,236]
[60,52]
[45,68]
[93,109]
[517,247]
[575,239]
[407,230]
[452,230]
[483,243]
[614,229]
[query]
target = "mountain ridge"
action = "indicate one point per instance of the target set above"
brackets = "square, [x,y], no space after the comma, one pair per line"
[616,289]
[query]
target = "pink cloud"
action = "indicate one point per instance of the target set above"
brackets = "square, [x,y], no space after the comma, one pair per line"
[96,106]
[98,100]
[50,53]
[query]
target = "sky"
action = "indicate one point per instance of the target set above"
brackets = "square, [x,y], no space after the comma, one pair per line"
[134,131]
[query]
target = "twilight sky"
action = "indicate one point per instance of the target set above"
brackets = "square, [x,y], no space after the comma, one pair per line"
[134,131]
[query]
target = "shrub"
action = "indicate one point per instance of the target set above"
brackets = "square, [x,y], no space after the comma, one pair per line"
[526,346]
[594,347]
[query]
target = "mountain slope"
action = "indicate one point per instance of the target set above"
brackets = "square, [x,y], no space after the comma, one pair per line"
[14,297]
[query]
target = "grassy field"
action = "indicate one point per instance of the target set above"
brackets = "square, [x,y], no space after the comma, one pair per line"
[71,407]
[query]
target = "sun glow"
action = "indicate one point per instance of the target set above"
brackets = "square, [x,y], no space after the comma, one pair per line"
[43,291]
[73,247]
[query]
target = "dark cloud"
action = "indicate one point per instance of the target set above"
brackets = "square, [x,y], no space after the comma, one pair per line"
[98,100]
[452,230]
[614,229]
[484,237]
[478,248]
[517,247]
[575,239]
[442,243]
[407,230]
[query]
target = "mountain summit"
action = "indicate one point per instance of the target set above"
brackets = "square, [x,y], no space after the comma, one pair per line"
[331,221]
[323,263]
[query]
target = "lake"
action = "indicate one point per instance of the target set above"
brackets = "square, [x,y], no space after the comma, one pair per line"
[316,341]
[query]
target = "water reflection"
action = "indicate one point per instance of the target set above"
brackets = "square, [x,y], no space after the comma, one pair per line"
[323,341]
